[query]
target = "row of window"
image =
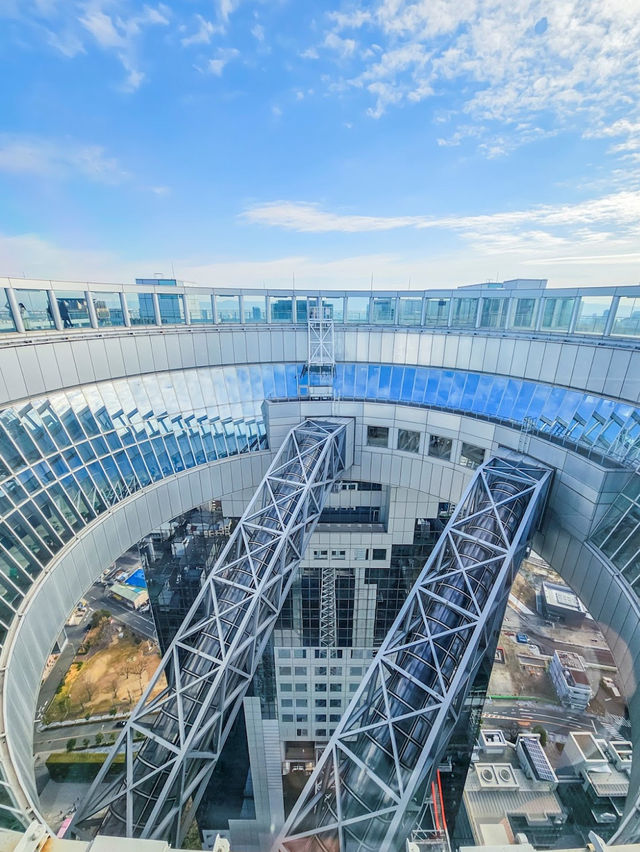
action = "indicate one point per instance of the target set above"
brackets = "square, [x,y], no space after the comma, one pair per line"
[318,687]
[319,671]
[439,447]
[35,309]
[358,554]
[324,653]
[302,703]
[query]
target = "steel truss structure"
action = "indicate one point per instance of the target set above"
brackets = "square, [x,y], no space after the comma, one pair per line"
[175,734]
[372,779]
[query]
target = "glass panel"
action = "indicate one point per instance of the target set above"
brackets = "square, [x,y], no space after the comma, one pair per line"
[524,313]
[556,314]
[301,310]
[228,308]
[493,313]
[253,309]
[408,441]
[436,312]
[471,456]
[384,310]
[627,319]
[281,309]
[377,436]
[35,309]
[171,308]
[440,447]
[358,309]
[74,312]
[593,314]
[409,311]
[200,308]
[6,317]
[140,307]
[465,312]
[108,308]
[333,308]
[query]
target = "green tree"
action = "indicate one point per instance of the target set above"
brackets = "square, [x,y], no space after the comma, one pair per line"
[85,743]
[538,729]
[71,744]
[99,738]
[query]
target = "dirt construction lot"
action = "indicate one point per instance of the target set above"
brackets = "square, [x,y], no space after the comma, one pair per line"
[108,674]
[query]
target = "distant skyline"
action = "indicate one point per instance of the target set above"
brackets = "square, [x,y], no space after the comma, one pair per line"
[244,142]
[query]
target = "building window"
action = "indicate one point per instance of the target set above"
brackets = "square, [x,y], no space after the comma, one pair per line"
[353,687]
[335,653]
[300,671]
[524,313]
[321,687]
[338,554]
[439,447]
[287,717]
[335,671]
[285,670]
[321,702]
[302,717]
[556,314]
[284,652]
[360,554]
[335,687]
[286,702]
[379,553]
[408,442]
[320,554]
[471,456]
[321,670]
[355,671]
[465,312]
[286,687]
[335,702]
[320,654]
[321,717]
[300,654]
[301,702]
[301,732]
[377,436]
[301,687]
[321,732]
[334,717]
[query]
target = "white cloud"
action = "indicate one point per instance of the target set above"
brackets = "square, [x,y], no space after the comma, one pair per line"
[217,65]
[571,61]
[203,34]
[31,155]
[612,221]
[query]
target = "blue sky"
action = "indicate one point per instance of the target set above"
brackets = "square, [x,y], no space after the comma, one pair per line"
[418,144]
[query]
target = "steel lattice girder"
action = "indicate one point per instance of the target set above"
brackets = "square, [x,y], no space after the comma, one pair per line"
[366,788]
[186,712]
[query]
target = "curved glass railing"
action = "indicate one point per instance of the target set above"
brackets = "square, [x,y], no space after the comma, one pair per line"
[522,307]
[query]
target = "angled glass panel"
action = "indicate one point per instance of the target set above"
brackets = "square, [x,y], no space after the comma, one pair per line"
[358,309]
[7,323]
[436,312]
[383,310]
[140,308]
[171,308]
[35,309]
[409,311]
[493,313]
[228,308]
[556,314]
[108,309]
[200,308]
[281,309]
[301,309]
[333,307]
[253,309]
[465,312]
[627,320]
[524,313]
[72,305]
[593,314]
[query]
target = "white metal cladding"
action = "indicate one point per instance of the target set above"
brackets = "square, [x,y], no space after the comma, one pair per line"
[205,673]
[397,727]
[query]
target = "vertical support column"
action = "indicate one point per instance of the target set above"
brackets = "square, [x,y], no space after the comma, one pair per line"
[15,309]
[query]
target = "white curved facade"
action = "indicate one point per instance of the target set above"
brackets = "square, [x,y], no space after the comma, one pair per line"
[183,405]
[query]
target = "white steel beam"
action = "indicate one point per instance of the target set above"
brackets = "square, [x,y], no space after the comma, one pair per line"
[371,781]
[174,736]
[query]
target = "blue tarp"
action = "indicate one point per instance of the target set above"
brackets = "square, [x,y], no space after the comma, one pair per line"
[137,579]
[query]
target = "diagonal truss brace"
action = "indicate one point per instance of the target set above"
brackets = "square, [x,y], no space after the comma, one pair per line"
[368,785]
[175,734]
